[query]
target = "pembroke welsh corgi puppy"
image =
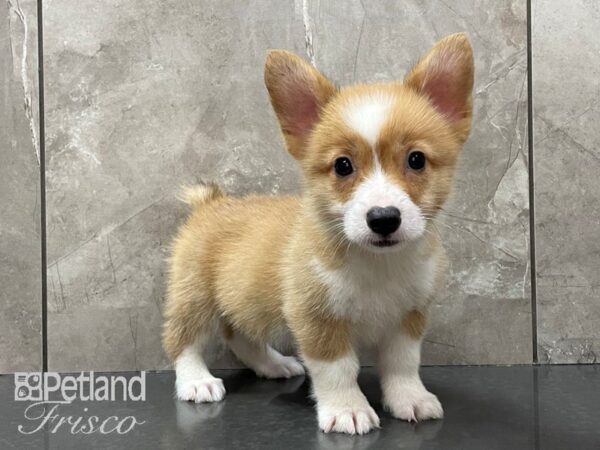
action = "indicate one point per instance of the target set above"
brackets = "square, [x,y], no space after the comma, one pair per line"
[354,261]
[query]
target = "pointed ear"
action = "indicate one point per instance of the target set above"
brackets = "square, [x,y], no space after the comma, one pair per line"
[445,76]
[298,93]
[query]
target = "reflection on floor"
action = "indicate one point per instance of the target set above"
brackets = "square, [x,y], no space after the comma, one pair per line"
[521,407]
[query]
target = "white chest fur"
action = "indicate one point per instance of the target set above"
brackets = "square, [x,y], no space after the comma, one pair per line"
[375,291]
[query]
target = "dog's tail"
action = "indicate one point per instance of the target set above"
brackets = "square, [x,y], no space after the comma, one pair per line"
[200,194]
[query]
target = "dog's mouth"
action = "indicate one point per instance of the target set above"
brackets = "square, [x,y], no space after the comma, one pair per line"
[385,243]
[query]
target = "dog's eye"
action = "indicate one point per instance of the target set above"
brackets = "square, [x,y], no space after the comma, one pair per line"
[343,166]
[416,160]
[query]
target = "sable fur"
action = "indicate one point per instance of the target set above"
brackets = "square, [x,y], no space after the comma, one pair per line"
[259,267]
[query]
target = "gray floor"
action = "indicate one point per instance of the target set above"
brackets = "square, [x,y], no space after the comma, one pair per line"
[521,407]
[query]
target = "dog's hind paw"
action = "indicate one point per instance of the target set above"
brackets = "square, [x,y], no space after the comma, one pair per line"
[280,367]
[202,390]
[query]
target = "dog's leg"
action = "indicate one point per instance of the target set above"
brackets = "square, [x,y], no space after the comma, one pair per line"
[194,382]
[341,405]
[264,360]
[404,394]
[325,343]
[190,319]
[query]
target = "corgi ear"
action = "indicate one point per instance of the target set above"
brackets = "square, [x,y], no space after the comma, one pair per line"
[298,93]
[445,76]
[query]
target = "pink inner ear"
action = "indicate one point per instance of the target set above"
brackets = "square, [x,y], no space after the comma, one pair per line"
[305,112]
[301,111]
[444,93]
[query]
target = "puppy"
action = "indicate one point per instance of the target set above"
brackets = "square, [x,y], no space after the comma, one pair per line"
[354,261]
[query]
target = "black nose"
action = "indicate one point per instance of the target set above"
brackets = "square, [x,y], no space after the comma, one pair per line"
[383,220]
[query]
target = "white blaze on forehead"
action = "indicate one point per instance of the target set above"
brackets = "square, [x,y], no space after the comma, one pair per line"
[367,115]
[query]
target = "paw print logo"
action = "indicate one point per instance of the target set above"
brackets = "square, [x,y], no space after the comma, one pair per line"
[28,386]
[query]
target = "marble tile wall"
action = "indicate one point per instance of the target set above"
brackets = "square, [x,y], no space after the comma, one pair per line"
[20,245]
[140,100]
[566,74]
[485,314]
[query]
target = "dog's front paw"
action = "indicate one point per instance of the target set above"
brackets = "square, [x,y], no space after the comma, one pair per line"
[414,404]
[201,390]
[350,419]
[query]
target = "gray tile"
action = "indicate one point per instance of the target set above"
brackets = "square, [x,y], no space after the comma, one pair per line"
[20,268]
[485,315]
[567,391]
[516,407]
[566,61]
[143,99]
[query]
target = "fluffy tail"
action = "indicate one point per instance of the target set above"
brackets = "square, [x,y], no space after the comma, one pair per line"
[200,194]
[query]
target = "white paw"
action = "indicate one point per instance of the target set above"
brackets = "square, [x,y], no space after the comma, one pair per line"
[414,405]
[348,419]
[200,390]
[280,367]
